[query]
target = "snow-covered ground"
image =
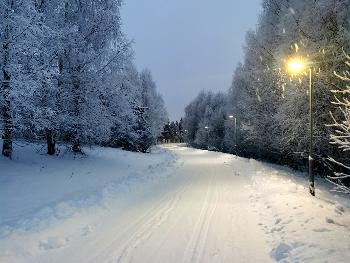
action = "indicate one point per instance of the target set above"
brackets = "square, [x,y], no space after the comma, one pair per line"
[174,205]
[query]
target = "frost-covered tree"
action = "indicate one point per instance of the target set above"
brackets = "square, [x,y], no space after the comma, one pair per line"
[24,52]
[272,107]
[122,99]
[68,76]
[205,121]
[90,42]
[151,112]
[173,132]
[319,38]
[340,136]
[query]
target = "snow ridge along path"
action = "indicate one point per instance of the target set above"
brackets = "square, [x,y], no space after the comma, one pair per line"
[174,205]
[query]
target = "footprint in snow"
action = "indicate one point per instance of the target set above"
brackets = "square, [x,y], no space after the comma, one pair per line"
[277,229]
[330,220]
[321,230]
[53,243]
[281,251]
[86,230]
[278,220]
[307,220]
[339,210]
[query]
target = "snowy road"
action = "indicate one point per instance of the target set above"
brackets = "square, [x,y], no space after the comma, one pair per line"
[203,216]
[211,207]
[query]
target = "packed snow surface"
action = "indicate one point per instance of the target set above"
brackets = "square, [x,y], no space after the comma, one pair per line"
[175,204]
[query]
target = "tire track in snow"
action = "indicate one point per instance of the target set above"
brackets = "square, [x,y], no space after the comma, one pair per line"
[146,230]
[194,251]
[202,240]
[128,230]
[141,229]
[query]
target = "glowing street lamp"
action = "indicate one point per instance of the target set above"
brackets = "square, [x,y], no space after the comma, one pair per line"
[235,121]
[207,128]
[297,66]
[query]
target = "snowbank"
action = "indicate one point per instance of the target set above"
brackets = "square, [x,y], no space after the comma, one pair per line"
[299,227]
[37,190]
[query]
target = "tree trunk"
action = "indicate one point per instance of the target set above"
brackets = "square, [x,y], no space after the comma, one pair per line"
[76,139]
[7,133]
[6,92]
[76,146]
[50,139]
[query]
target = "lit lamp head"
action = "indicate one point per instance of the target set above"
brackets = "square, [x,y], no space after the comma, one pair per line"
[206,127]
[296,66]
[231,116]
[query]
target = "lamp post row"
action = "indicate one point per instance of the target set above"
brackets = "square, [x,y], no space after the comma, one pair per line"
[295,66]
[235,125]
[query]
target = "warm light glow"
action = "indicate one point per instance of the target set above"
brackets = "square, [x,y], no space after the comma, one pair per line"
[296,66]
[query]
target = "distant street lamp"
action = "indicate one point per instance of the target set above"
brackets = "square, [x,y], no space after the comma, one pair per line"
[297,66]
[235,122]
[185,136]
[207,129]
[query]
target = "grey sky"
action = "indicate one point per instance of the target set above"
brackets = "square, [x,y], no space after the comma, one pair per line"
[189,45]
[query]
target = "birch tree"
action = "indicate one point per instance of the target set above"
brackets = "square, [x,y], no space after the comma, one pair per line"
[341,130]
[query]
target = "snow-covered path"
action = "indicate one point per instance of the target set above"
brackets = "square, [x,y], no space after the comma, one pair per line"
[203,216]
[211,207]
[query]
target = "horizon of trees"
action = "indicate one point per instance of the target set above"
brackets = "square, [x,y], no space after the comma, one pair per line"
[271,107]
[68,76]
[173,132]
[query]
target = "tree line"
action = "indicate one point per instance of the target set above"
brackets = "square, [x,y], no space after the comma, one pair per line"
[270,105]
[173,132]
[68,76]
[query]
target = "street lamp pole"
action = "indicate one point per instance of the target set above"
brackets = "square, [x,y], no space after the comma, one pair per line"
[207,128]
[297,66]
[235,123]
[236,137]
[311,159]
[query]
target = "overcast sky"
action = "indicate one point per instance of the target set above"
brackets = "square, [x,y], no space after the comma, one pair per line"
[189,45]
